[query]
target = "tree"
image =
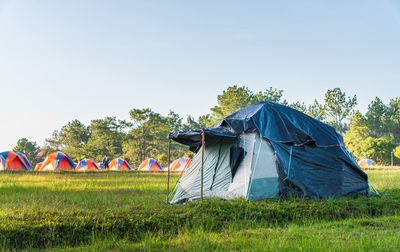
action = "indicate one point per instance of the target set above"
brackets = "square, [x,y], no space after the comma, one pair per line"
[377,118]
[397,152]
[231,100]
[52,144]
[339,108]
[361,144]
[163,159]
[271,94]
[205,121]
[393,119]
[107,136]
[191,124]
[317,110]
[30,149]
[71,139]
[300,106]
[149,135]
[174,121]
[234,98]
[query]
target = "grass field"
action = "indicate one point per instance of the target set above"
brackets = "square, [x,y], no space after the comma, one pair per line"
[126,211]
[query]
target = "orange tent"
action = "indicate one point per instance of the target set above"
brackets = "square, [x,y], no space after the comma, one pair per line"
[38,165]
[57,161]
[10,160]
[150,164]
[87,165]
[366,162]
[118,164]
[180,164]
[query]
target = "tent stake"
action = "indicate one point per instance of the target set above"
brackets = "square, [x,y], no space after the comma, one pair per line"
[169,161]
[202,164]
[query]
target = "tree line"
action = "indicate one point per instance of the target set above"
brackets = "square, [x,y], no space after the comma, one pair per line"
[372,135]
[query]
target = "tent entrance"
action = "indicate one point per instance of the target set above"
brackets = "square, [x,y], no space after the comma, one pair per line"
[233,168]
[264,180]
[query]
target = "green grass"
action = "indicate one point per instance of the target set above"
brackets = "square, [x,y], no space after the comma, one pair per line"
[126,211]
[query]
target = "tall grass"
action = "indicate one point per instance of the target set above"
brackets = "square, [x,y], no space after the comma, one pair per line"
[126,210]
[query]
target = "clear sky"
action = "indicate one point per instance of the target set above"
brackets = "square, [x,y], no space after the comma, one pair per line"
[65,60]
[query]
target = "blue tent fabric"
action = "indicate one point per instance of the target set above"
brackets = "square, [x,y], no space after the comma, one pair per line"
[3,156]
[24,160]
[60,156]
[320,165]
[27,163]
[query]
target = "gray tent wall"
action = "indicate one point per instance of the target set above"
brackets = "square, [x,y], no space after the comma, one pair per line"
[255,178]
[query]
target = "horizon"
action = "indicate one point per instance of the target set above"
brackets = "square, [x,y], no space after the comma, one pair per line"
[63,60]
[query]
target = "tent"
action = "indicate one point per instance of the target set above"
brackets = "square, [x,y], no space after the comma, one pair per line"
[180,164]
[10,160]
[268,150]
[86,165]
[57,161]
[118,164]
[38,165]
[366,162]
[150,164]
[100,165]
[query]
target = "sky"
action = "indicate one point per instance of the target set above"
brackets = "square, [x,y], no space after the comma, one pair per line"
[65,60]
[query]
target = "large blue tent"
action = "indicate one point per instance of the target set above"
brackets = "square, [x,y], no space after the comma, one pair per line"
[276,151]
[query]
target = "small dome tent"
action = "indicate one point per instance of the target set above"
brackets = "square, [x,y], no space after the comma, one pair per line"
[150,164]
[366,162]
[118,164]
[10,160]
[180,164]
[57,161]
[37,166]
[268,150]
[86,165]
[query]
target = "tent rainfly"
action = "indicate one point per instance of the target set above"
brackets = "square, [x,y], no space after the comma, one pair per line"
[10,160]
[268,150]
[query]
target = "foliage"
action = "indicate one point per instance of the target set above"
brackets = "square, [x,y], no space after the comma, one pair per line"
[336,110]
[30,149]
[360,143]
[70,139]
[107,136]
[317,110]
[372,135]
[397,152]
[191,124]
[235,98]
[149,136]
[339,108]
[300,106]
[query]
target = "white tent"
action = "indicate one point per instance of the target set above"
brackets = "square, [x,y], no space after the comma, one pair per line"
[255,173]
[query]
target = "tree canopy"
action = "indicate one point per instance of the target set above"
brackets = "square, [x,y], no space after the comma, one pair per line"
[373,135]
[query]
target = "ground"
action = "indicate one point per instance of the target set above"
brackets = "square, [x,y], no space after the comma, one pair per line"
[95,211]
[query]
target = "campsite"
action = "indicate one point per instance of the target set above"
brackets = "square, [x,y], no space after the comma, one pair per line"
[126,211]
[199,125]
[266,174]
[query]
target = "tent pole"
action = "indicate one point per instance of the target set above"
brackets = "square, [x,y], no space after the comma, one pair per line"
[169,161]
[391,156]
[202,164]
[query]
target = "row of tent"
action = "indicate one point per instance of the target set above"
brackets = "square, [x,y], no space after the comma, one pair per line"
[10,160]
